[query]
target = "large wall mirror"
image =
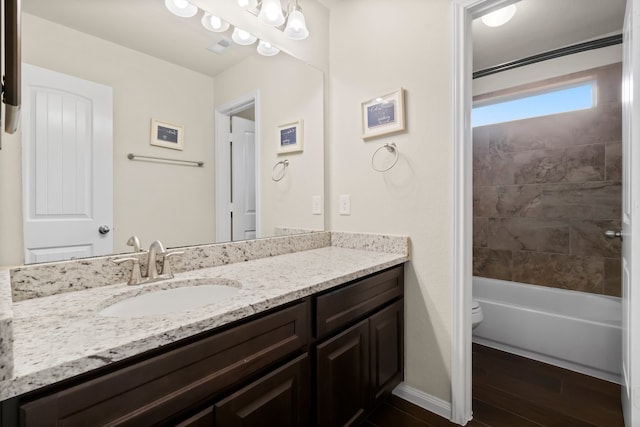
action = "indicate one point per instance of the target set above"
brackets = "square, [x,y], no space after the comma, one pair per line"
[170,69]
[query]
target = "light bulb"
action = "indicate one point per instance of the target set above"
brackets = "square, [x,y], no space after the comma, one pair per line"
[271,13]
[500,16]
[243,37]
[267,49]
[181,8]
[248,4]
[214,23]
[296,26]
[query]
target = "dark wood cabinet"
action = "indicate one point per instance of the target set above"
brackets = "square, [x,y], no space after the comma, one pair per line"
[343,377]
[148,392]
[386,335]
[357,367]
[201,419]
[323,361]
[281,397]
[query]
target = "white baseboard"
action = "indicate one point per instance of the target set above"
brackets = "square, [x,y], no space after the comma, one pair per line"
[423,400]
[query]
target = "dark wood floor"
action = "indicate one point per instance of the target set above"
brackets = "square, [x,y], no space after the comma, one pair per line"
[512,391]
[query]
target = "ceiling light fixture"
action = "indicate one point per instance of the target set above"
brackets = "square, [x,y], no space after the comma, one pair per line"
[248,4]
[214,23]
[296,25]
[181,8]
[271,13]
[500,16]
[243,37]
[267,49]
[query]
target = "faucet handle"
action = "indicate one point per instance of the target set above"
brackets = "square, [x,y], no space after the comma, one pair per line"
[136,277]
[166,266]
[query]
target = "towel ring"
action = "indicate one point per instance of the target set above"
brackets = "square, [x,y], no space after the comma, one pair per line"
[283,172]
[391,148]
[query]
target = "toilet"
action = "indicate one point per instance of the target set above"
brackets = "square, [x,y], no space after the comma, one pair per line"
[476,314]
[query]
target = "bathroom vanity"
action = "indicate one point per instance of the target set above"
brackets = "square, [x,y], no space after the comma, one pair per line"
[319,348]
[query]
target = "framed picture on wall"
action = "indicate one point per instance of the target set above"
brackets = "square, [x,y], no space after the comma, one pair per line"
[167,135]
[383,114]
[290,137]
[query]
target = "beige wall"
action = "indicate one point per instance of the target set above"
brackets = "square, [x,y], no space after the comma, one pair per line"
[370,57]
[289,90]
[172,203]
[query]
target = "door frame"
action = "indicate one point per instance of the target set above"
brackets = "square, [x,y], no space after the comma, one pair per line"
[222,137]
[464,11]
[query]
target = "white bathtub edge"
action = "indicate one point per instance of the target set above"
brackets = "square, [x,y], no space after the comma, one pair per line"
[569,329]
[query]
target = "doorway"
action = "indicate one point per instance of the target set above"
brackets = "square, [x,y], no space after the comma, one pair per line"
[464,12]
[237,151]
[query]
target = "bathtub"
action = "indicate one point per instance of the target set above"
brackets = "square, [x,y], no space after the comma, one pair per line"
[574,330]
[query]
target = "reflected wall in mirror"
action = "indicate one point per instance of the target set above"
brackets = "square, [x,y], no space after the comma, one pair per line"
[153,78]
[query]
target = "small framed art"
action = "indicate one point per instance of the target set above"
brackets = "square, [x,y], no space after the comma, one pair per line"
[290,137]
[383,114]
[167,135]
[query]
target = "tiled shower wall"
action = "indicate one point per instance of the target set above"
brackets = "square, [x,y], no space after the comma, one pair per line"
[546,189]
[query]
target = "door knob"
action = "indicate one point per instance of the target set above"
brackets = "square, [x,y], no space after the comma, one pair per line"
[610,234]
[104,229]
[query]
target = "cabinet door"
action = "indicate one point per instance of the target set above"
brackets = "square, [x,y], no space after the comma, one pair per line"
[281,398]
[343,377]
[387,344]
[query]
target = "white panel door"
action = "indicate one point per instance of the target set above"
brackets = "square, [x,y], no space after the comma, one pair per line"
[67,139]
[243,181]
[630,216]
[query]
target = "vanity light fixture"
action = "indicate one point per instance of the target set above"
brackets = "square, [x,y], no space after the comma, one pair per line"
[296,26]
[267,49]
[181,8]
[214,23]
[500,16]
[248,4]
[271,13]
[243,37]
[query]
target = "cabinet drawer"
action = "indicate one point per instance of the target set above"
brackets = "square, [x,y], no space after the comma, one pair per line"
[343,306]
[151,391]
[280,398]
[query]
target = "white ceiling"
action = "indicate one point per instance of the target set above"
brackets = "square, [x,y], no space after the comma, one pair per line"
[146,26]
[543,25]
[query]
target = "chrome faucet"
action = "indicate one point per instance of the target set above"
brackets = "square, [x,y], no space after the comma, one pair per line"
[155,249]
[135,242]
[152,269]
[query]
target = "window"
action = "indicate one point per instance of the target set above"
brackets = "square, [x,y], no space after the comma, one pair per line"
[558,100]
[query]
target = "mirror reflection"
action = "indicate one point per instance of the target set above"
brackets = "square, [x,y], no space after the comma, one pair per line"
[167,82]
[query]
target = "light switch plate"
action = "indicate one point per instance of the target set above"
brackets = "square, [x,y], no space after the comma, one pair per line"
[316,205]
[344,208]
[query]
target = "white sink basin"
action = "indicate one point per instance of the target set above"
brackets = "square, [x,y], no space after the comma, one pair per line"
[175,299]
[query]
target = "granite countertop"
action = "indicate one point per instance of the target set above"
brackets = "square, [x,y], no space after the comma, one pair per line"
[60,336]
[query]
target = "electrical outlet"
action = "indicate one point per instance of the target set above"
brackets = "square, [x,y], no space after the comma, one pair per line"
[316,205]
[344,208]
